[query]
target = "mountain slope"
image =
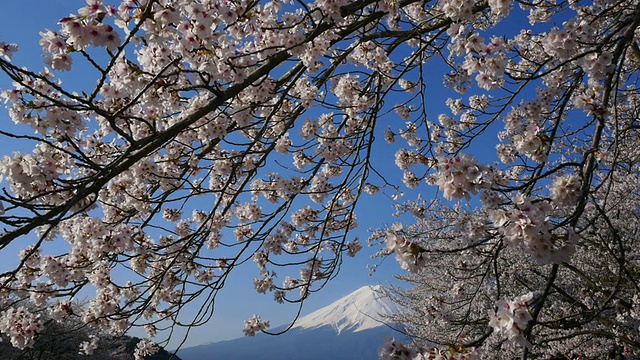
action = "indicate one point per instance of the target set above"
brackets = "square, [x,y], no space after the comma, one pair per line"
[316,344]
[348,329]
[358,311]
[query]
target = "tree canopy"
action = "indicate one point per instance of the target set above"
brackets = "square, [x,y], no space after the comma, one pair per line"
[214,133]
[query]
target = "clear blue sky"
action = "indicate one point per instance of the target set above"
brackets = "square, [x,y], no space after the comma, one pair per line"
[20,22]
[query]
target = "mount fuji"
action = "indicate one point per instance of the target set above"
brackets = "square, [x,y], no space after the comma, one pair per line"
[361,310]
[350,328]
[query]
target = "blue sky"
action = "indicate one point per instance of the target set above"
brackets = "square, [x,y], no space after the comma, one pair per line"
[21,22]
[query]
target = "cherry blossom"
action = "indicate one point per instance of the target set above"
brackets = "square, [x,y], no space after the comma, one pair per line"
[511,318]
[144,348]
[254,324]
[213,134]
[6,50]
[21,325]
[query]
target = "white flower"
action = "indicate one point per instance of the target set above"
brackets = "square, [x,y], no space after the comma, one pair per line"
[565,190]
[511,317]
[253,325]
[7,50]
[459,176]
[144,348]
[88,347]
[21,326]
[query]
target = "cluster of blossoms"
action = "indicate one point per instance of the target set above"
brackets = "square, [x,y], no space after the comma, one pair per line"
[372,56]
[527,225]
[530,143]
[486,60]
[144,348]
[500,7]
[394,350]
[459,176]
[30,175]
[77,34]
[511,318]
[88,347]
[565,190]
[6,50]
[408,254]
[457,10]
[597,65]
[20,325]
[254,325]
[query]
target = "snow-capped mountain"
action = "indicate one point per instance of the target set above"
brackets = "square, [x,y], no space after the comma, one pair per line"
[350,328]
[361,310]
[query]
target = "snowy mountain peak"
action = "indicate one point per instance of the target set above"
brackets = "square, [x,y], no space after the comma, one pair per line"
[362,309]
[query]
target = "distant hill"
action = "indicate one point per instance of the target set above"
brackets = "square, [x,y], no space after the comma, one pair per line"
[65,345]
[351,328]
